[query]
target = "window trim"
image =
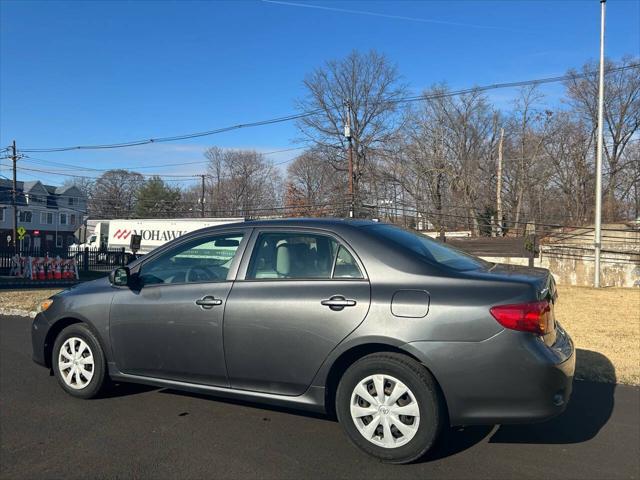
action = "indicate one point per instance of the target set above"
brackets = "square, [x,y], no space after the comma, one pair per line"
[233,268]
[243,271]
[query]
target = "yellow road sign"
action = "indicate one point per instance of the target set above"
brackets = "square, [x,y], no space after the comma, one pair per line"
[21,232]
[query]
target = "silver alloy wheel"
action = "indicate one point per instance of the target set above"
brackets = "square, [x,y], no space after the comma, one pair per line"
[75,362]
[385,411]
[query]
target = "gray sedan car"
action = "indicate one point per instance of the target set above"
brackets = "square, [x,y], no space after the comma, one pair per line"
[396,334]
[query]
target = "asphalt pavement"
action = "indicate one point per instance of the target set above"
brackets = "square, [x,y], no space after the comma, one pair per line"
[144,432]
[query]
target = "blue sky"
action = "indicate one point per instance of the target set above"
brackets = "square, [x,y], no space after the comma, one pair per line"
[101,72]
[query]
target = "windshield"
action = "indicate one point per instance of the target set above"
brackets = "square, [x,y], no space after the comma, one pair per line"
[427,248]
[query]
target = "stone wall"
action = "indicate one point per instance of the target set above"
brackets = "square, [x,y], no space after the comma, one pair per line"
[576,267]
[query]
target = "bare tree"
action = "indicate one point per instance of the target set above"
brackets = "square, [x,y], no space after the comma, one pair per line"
[242,183]
[621,117]
[370,84]
[526,169]
[114,194]
[568,148]
[312,188]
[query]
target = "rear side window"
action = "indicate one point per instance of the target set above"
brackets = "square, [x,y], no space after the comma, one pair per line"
[286,255]
[346,266]
[427,248]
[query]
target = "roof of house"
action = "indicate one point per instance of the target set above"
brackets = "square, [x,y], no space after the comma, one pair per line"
[53,192]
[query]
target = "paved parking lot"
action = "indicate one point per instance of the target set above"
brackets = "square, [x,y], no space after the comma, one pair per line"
[144,432]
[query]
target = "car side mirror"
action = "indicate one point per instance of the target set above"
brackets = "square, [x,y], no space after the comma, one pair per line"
[119,277]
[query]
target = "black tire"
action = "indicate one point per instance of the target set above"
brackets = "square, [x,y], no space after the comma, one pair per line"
[98,368]
[425,390]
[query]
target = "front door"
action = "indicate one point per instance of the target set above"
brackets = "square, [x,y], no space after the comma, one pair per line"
[302,294]
[170,325]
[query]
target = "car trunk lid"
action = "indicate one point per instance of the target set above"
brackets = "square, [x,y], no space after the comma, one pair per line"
[540,279]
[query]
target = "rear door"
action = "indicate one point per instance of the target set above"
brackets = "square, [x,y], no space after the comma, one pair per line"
[297,296]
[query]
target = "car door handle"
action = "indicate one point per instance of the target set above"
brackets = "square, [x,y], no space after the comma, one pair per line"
[208,302]
[338,302]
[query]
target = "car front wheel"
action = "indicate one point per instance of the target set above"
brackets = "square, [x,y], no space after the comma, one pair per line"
[78,361]
[390,407]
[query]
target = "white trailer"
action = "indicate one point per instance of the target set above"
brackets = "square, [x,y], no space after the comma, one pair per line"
[114,234]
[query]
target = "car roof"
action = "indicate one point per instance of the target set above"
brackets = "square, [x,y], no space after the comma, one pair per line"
[306,222]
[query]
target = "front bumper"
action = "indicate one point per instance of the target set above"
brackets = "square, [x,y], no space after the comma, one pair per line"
[39,330]
[512,377]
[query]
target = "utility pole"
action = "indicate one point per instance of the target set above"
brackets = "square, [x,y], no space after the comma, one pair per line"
[347,134]
[598,213]
[499,186]
[202,198]
[14,197]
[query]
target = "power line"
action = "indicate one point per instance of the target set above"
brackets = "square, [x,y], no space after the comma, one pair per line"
[160,165]
[288,118]
[168,177]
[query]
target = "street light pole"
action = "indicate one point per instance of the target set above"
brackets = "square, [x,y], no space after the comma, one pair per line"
[598,212]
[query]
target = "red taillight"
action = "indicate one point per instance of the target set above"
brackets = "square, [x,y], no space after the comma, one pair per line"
[533,317]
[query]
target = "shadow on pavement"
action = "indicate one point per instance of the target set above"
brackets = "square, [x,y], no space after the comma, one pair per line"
[126,389]
[250,404]
[456,440]
[589,409]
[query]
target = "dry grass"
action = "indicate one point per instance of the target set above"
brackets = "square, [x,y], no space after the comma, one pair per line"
[604,324]
[24,299]
[605,327]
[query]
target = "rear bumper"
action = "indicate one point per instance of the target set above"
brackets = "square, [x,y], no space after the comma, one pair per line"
[39,329]
[512,377]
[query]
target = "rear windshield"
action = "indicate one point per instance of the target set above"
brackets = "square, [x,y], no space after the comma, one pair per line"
[427,248]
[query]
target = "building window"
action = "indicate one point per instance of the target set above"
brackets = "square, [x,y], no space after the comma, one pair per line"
[25,216]
[72,219]
[46,218]
[71,201]
[2,214]
[59,241]
[63,219]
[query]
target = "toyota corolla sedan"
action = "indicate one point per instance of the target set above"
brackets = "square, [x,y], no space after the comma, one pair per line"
[396,334]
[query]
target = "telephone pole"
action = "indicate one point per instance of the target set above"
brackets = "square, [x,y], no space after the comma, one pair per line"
[597,241]
[347,134]
[202,198]
[499,186]
[14,197]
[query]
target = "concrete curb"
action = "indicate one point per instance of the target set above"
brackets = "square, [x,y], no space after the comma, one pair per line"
[17,312]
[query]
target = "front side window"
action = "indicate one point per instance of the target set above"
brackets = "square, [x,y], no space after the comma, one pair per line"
[287,255]
[201,260]
[63,219]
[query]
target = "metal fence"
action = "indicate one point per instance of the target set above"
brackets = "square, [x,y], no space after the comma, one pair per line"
[87,259]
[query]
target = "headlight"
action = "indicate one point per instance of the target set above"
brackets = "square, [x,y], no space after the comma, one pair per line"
[44,305]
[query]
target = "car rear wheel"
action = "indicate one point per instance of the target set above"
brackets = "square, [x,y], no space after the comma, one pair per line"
[390,407]
[78,362]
